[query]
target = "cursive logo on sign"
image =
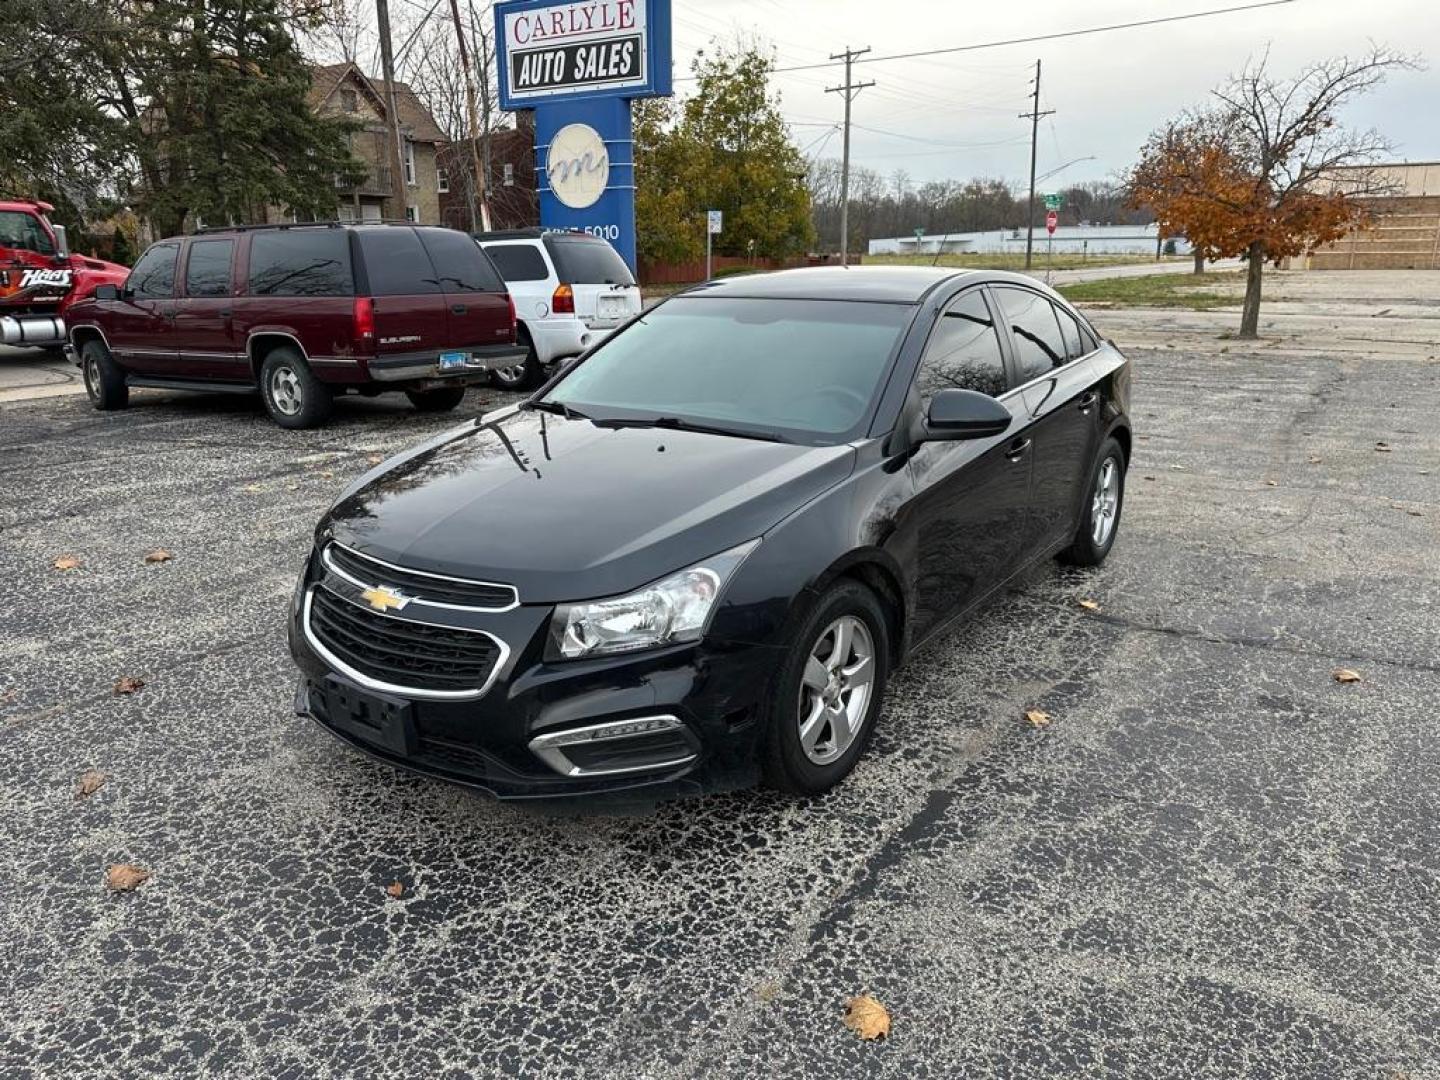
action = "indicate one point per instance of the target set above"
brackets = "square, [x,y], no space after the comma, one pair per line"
[577,166]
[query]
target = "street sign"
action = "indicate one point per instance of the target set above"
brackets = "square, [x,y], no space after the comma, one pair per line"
[714,220]
[1053,202]
[1052,220]
[919,234]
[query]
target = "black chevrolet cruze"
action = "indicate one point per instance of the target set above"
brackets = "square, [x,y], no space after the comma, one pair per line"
[696,555]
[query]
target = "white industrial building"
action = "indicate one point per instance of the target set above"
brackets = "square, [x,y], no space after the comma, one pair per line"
[1068,239]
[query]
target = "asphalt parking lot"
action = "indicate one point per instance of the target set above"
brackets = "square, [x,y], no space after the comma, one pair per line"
[1215,860]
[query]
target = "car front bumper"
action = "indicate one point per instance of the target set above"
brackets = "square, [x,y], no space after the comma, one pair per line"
[683,718]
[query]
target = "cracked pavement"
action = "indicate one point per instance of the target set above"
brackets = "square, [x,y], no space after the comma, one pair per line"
[1215,861]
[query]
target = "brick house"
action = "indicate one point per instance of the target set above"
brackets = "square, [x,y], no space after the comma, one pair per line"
[514,196]
[344,90]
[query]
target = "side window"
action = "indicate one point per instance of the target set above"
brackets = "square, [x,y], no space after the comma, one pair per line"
[1070,329]
[963,351]
[154,275]
[300,262]
[518,262]
[396,264]
[207,271]
[458,260]
[1031,318]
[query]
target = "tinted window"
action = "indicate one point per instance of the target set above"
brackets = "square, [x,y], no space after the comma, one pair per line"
[461,264]
[396,264]
[518,262]
[207,271]
[1070,331]
[154,275]
[1031,319]
[24,231]
[808,368]
[300,262]
[963,352]
[585,261]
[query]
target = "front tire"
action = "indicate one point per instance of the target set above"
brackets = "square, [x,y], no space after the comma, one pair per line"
[521,375]
[442,400]
[104,381]
[826,697]
[1104,499]
[294,398]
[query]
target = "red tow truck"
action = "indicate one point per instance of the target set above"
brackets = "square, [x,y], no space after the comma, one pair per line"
[39,278]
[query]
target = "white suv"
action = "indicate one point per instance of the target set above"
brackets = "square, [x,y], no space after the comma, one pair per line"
[570,289]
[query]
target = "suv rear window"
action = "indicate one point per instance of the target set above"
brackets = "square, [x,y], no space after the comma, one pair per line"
[459,262]
[583,260]
[395,263]
[300,262]
[518,262]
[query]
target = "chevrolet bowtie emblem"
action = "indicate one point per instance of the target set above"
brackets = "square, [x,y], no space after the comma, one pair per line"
[382,599]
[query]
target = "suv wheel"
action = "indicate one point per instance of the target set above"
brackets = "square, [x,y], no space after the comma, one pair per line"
[436,401]
[523,374]
[104,381]
[827,694]
[294,398]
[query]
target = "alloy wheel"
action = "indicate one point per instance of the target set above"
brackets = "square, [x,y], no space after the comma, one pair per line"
[835,689]
[512,374]
[1105,503]
[92,378]
[285,390]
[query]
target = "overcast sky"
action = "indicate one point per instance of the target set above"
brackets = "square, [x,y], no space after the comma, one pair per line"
[956,116]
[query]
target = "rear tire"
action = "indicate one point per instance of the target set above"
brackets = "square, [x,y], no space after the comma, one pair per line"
[523,375]
[833,674]
[1100,519]
[436,401]
[294,398]
[104,381]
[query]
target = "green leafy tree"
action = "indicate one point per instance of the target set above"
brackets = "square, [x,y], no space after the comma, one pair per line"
[725,148]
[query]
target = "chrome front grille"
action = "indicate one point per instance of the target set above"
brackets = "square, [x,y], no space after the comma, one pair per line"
[436,589]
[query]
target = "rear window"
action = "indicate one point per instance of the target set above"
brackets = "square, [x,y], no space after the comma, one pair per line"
[518,262]
[459,262]
[300,262]
[587,261]
[396,263]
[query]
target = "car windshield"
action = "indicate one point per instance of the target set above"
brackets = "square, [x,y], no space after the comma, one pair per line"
[798,369]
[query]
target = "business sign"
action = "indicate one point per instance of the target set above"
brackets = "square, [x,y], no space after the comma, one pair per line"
[566,48]
[577,166]
[715,221]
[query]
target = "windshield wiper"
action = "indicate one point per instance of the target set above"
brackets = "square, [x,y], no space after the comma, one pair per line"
[557,407]
[675,423]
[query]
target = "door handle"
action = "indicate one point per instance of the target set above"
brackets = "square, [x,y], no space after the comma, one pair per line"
[1016,450]
[457,309]
[1087,400]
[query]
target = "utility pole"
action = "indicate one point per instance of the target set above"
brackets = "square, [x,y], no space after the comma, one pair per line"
[392,108]
[850,89]
[1033,116]
[471,111]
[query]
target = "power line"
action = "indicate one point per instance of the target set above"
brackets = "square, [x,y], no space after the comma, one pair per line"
[1037,37]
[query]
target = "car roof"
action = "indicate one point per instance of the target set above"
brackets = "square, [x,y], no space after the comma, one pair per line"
[887,284]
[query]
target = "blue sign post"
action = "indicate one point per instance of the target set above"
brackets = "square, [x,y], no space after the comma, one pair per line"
[578,64]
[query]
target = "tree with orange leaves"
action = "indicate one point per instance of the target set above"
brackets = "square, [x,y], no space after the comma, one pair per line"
[1255,176]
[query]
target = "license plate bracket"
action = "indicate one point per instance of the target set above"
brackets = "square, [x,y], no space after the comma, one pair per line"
[387,722]
[453,361]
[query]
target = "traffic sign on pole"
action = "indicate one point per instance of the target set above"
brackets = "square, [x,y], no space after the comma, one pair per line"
[715,220]
[1054,202]
[1052,221]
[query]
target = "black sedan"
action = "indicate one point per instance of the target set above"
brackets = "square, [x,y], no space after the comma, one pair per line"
[696,554]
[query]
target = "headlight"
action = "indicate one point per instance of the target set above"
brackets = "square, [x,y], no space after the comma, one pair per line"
[674,609]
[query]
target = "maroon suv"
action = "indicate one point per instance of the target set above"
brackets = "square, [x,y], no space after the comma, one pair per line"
[301,313]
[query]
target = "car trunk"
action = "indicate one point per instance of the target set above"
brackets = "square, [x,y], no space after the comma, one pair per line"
[410,308]
[604,289]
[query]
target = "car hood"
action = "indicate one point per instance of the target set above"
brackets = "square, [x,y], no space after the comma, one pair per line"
[568,510]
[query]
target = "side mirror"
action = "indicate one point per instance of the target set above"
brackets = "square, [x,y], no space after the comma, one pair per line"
[964,414]
[62,245]
[107,292]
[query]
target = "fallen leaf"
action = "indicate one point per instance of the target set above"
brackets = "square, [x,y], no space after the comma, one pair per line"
[1089,605]
[66,562]
[91,781]
[1037,718]
[1383,448]
[1149,478]
[767,991]
[125,877]
[867,1018]
[1414,513]
[1178,468]
[374,459]
[127,684]
[325,475]
[252,489]
[1345,675]
[1314,461]
[158,555]
[1270,483]
[395,889]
